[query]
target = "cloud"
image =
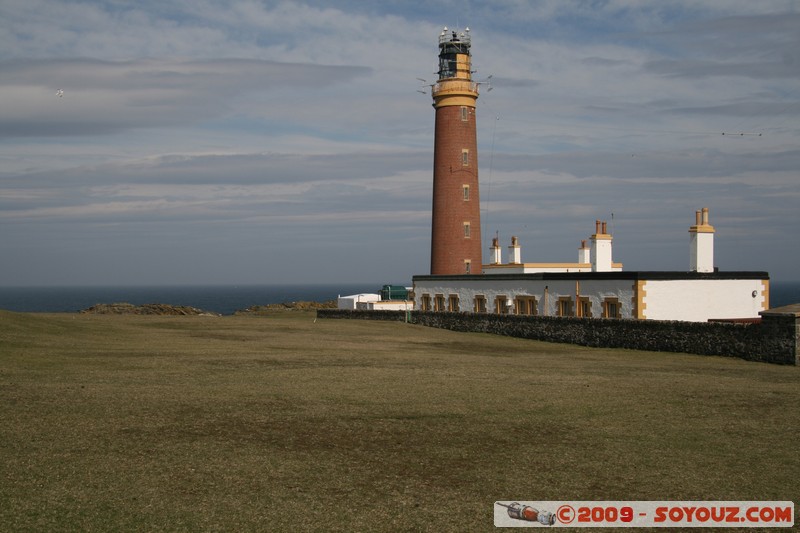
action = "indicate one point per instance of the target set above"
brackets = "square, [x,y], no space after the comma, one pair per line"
[275,136]
[686,164]
[102,97]
[702,69]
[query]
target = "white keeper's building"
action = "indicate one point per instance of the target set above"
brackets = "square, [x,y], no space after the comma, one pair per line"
[597,287]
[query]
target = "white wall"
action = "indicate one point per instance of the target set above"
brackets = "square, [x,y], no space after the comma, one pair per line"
[351,302]
[595,290]
[701,252]
[699,300]
[535,268]
[689,300]
[600,253]
[391,305]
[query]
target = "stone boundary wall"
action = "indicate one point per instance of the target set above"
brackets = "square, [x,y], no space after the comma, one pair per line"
[774,340]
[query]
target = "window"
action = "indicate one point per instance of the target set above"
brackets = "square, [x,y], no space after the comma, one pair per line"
[565,306]
[584,307]
[438,302]
[501,305]
[452,303]
[611,308]
[467,266]
[464,113]
[526,305]
[447,65]
[480,304]
[465,157]
[466,192]
[426,302]
[466,230]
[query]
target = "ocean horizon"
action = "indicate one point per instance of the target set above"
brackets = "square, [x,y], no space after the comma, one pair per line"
[225,299]
[222,299]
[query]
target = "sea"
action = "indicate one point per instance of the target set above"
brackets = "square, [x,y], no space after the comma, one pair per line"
[222,299]
[226,299]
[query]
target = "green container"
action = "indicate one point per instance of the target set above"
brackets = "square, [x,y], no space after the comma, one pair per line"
[394,292]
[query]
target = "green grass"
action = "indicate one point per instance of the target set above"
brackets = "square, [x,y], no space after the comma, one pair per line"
[281,423]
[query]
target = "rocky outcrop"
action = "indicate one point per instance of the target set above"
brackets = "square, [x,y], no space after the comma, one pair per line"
[146,309]
[182,310]
[290,306]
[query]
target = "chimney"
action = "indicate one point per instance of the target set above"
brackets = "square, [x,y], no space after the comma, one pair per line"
[601,249]
[584,254]
[497,257]
[701,243]
[514,252]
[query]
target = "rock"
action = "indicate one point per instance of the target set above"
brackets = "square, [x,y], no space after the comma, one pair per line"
[146,309]
[290,306]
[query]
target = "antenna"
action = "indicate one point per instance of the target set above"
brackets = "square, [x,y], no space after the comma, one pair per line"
[424,84]
[486,81]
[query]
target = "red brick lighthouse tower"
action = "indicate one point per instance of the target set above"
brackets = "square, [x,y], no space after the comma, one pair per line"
[456,234]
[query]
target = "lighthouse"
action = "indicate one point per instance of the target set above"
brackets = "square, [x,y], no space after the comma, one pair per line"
[455,231]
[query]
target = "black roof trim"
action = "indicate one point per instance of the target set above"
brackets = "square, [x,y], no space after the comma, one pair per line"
[633,275]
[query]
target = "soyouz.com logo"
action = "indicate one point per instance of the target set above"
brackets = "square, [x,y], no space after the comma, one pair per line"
[644,514]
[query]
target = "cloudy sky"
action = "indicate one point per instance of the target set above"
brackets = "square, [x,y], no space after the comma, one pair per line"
[247,141]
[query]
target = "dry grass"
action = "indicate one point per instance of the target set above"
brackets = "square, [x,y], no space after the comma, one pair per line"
[114,423]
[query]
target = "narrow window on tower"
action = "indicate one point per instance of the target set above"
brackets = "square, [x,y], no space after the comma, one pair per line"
[466,192]
[465,157]
[466,230]
[464,114]
[467,266]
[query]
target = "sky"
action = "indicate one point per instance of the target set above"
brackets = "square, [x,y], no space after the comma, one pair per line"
[260,142]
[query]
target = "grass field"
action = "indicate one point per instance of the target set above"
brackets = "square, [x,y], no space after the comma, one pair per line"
[281,423]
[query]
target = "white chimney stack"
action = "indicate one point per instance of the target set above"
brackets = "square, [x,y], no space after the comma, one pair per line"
[701,243]
[514,252]
[584,254]
[601,249]
[497,257]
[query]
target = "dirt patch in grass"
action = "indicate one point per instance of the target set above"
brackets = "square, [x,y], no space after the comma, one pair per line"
[278,422]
